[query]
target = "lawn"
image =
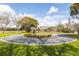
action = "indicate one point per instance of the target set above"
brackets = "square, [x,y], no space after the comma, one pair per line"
[10,33]
[69,49]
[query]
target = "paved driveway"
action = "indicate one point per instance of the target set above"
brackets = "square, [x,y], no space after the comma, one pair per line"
[55,39]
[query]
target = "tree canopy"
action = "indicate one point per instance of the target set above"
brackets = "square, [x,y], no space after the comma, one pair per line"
[28,22]
[74,10]
[4,21]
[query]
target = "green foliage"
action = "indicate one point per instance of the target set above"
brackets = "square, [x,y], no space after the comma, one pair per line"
[74,12]
[71,49]
[67,30]
[74,9]
[74,36]
[37,36]
[27,22]
[61,28]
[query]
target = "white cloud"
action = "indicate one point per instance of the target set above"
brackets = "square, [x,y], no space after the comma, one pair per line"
[53,10]
[52,20]
[25,14]
[13,13]
[29,15]
[6,9]
[45,21]
[64,21]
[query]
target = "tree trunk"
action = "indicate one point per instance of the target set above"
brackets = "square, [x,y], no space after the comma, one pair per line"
[78,32]
[4,29]
[17,28]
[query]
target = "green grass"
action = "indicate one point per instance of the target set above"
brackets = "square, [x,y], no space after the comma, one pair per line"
[69,49]
[10,33]
[4,35]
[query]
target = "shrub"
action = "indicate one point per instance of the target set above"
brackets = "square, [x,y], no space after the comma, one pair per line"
[27,35]
[37,36]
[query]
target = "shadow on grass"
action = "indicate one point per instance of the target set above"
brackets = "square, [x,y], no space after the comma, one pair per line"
[63,50]
[10,49]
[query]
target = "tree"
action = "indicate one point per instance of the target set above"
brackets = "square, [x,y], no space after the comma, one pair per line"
[74,12]
[15,18]
[6,14]
[4,21]
[28,22]
[60,27]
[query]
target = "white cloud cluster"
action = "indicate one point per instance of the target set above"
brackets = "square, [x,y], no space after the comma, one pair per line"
[25,14]
[49,20]
[53,10]
[45,21]
[30,15]
[6,9]
[52,20]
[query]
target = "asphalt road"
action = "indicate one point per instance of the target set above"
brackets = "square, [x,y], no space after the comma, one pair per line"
[55,39]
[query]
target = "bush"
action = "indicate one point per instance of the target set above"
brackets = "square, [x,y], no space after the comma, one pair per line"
[37,36]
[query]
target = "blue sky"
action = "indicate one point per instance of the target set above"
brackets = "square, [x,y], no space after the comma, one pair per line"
[45,12]
[37,8]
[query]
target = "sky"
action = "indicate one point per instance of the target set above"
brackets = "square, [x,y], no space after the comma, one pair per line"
[47,14]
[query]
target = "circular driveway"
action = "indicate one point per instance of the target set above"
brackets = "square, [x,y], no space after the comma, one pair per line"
[53,40]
